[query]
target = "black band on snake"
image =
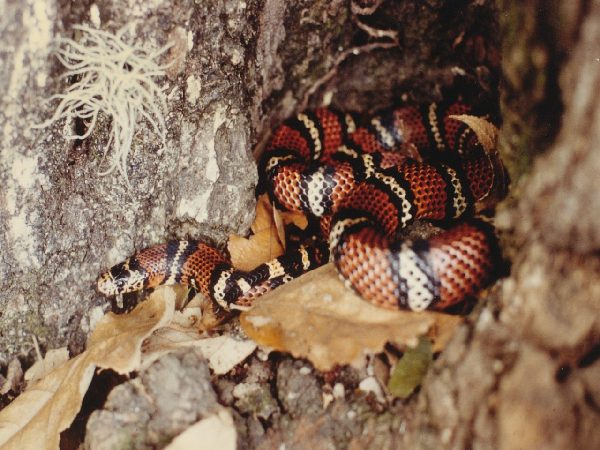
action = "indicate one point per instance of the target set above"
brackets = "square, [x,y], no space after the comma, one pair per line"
[364,182]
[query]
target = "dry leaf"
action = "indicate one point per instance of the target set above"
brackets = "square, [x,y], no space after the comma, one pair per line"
[199,314]
[54,358]
[263,220]
[442,330]
[223,352]
[486,132]
[298,218]
[279,226]
[260,247]
[248,253]
[37,417]
[214,432]
[14,375]
[318,318]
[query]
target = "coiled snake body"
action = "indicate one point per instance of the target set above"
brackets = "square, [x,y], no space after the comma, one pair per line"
[365,182]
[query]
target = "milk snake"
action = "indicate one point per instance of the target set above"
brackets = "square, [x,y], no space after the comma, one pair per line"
[364,181]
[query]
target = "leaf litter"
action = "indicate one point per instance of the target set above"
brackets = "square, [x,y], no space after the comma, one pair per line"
[36,418]
[265,242]
[314,317]
[122,343]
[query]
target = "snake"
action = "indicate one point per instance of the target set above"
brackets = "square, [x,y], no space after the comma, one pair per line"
[364,181]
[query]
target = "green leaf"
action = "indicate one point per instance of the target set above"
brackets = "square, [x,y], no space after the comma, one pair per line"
[411,369]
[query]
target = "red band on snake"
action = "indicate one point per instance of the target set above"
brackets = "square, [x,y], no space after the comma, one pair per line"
[365,182]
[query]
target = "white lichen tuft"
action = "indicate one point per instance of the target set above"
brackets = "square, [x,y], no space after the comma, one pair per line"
[114,78]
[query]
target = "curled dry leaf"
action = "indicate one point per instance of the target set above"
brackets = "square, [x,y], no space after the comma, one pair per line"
[267,240]
[37,417]
[14,375]
[223,352]
[318,318]
[296,217]
[486,132]
[264,244]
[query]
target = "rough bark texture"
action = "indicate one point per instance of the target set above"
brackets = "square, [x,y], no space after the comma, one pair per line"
[521,376]
[522,373]
[64,223]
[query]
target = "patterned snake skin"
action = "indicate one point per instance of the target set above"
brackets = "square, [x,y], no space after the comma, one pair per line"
[364,182]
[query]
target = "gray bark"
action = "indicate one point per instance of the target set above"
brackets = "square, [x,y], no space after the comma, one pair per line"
[64,224]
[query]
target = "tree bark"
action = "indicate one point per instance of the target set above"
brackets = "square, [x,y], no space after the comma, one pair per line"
[65,223]
[525,373]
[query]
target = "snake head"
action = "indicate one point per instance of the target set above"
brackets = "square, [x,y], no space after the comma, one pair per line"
[121,279]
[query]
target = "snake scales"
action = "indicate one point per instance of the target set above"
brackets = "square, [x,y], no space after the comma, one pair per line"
[364,181]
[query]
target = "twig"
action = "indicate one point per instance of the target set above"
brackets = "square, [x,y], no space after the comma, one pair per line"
[339,59]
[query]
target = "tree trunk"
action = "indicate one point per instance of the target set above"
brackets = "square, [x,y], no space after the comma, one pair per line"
[525,375]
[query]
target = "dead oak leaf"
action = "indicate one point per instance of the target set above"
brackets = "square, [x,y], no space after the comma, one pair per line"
[263,245]
[318,318]
[37,417]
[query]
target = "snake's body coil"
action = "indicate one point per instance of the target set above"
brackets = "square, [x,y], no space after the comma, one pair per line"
[364,183]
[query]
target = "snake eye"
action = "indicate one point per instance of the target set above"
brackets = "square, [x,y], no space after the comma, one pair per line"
[118,271]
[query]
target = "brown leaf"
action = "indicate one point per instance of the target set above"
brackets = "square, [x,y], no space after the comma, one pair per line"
[442,330]
[14,375]
[260,247]
[318,318]
[298,218]
[54,358]
[37,417]
[247,253]
[486,132]
[279,226]
[214,431]
[263,220]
